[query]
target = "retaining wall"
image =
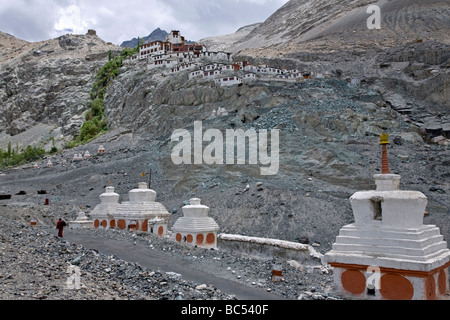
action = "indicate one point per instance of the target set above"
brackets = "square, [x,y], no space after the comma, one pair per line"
[267,248]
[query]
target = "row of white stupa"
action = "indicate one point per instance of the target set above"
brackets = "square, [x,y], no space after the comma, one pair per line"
[76,157]
[87,154]
[143,213]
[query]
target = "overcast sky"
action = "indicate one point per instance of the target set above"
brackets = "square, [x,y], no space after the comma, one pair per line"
[117,21]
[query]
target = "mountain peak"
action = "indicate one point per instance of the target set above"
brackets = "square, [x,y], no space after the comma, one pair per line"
[157,35]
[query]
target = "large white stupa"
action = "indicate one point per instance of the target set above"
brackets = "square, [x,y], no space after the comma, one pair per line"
[103,212]
[388,253]
[195,227]
[142,212]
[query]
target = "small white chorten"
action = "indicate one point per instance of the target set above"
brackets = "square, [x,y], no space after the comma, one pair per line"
[222,112]
[103,212]
[388,253]
[87,155]
[101,149]
[195,227]
[81,222]
[142,212]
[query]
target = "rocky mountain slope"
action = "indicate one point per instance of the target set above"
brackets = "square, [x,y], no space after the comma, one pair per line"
[407,60]
[307,25]
[45,86]
[10,46]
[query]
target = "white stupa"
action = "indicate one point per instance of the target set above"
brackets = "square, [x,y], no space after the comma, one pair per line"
[103,212]
[388,253]
[142,212]
[195,227]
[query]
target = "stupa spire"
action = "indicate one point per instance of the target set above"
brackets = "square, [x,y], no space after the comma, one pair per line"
[384,142]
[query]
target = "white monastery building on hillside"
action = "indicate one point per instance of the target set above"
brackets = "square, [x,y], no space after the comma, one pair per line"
[175,55]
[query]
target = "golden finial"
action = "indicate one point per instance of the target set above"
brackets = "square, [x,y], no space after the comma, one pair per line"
[384,139]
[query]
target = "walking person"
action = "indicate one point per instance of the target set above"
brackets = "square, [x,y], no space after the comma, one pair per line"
[60,226]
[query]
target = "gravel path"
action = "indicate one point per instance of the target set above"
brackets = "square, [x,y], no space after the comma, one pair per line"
[36,264]
[170,264]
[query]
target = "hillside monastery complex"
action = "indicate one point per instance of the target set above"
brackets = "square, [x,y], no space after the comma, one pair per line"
[176,55]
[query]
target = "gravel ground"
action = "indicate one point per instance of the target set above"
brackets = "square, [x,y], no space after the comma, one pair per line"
[36,264]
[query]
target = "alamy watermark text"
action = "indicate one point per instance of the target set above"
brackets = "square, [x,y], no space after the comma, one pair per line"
[237,147]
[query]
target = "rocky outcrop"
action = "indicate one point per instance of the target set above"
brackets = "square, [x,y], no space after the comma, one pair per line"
[320,120]
[49,82]
[148,102]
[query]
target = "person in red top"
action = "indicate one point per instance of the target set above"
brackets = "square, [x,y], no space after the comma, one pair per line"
[60,226]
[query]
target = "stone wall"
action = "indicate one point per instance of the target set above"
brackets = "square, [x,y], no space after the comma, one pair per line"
[263,247]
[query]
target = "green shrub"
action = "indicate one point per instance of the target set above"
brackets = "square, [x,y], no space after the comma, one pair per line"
[13,158]
[97,108]
[89,130]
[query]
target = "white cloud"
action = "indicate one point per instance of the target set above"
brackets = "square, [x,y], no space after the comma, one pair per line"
[28,20]
[70,20]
